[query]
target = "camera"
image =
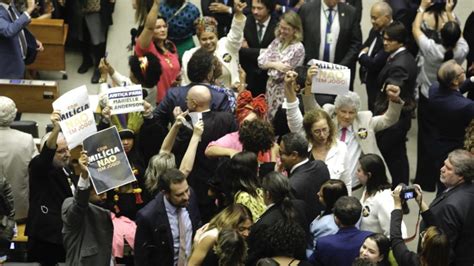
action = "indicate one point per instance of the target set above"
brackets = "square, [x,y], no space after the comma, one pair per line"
[407,192]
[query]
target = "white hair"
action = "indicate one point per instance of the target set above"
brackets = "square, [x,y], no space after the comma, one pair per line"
[7,111]
[350,99]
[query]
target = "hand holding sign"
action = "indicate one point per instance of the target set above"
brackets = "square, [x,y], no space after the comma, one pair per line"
[330,78]
[55,118]
[83,163]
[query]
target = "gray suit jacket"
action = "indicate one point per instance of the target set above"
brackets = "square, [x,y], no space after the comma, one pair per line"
[87,231]
[16,155]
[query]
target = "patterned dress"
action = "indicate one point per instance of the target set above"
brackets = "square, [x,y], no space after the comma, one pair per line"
[293,55]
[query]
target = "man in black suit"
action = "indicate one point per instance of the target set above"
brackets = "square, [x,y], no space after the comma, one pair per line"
[259,32]
[216,125]
[51,182]
[306,177]
[372,58]
[331,33]
[399,71]
[405,12]
[453,210]
[166,225]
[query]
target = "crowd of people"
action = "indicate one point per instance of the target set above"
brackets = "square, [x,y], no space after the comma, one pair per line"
[237,160]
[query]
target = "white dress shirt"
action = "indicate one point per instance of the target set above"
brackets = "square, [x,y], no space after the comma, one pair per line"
[334,31]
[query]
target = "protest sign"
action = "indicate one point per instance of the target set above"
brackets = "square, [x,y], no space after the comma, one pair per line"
[124,100]
[77,119]
[331,78]
[108,164]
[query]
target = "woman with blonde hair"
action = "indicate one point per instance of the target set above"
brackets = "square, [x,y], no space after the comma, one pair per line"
[236,217]
[284,53]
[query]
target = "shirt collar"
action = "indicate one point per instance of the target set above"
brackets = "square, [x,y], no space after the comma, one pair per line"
[298,164]
[401,49]
[326,7]
[170,208]
[266,22]
[349,128]
[4,5]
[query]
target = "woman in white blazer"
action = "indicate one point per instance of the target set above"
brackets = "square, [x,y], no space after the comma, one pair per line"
[226,49]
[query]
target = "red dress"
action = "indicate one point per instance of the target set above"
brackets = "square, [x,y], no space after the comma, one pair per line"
[170,68]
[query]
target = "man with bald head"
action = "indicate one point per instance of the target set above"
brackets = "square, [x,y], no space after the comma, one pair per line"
[451,111]
[51,182]
[372,57]
[216,125]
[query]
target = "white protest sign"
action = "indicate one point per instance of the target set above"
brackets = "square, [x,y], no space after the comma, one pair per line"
[77,119]
[331,78]
[124,100]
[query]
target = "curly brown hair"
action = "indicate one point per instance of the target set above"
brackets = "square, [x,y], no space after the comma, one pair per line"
[314,116]
[256,135]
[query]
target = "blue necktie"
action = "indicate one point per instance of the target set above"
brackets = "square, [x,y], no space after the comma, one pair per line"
[327,45]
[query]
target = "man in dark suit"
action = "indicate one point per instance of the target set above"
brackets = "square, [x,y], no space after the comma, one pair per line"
[259,32]
[166,225]
[306,177]
[343,247]
[51,182]
[453,210]
[372,58]
[13,42]
[399,71]
[451,111]
[331,33]
[216,125]
[88,228]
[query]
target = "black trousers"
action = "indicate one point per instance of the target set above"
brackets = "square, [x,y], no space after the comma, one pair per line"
[46,253]
[427,171]
[392,145]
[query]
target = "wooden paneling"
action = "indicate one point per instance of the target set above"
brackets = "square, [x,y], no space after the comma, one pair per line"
[30,96]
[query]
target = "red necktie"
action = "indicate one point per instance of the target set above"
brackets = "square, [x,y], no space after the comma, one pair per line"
[343,134]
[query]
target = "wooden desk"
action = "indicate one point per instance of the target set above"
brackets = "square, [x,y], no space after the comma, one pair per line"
[31,96]
[52,33]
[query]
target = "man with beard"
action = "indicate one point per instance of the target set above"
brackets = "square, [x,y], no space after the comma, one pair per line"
[166,225]
[51,182]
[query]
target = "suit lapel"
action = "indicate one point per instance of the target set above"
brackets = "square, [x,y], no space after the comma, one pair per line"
[162,211]
[252,33]
[443,196]
[317,27]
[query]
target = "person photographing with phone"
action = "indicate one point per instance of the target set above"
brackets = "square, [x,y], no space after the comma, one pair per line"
[449,237]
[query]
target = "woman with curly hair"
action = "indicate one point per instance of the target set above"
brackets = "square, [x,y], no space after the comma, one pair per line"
[236,217]
[284,243]
[255,136]
[320,131]
[154,39]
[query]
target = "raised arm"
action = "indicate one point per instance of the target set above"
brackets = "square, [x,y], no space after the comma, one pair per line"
[168,143]
[74,210]
[236,32]
[146,36]
[392,115]
[309,102]
[416,27]
[293,112]
[188,159]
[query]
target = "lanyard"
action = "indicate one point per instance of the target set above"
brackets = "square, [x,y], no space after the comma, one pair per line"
[327,17]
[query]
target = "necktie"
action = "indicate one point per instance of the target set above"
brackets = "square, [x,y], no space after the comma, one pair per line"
[327,43]
[182,239]
[343,134]
[22,37]
[260,31]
